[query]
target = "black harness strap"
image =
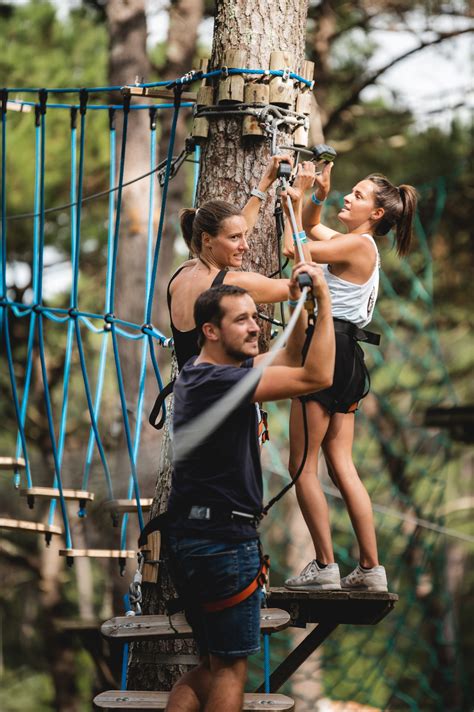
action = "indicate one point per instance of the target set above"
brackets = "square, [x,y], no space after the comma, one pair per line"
[159,406]
[346,327]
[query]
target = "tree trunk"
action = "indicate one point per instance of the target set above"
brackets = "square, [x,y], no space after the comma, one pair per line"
[184,19]
[229,170]
[126,21]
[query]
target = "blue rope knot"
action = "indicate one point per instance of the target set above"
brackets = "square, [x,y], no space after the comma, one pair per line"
[37,308]
[147,329]
[109,318]
[73,312]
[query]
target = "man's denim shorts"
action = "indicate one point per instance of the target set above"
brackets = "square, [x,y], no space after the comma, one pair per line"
[206,570]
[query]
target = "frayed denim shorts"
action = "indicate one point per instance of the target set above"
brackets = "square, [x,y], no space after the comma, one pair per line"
[206,570]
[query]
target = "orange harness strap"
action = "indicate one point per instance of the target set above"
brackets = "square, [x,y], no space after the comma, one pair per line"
[260,580]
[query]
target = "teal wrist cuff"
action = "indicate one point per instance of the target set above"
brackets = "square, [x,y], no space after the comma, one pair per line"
[301,236]
[316,200]
[292,302]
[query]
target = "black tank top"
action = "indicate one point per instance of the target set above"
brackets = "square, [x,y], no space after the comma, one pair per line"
[186,342]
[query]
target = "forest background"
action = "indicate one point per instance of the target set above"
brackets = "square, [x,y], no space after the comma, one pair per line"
[423,142]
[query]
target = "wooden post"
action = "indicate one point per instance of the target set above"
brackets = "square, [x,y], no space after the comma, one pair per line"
[303,105]
[231,88]
[205,97]
[282,91]
[255,93]
[152,555]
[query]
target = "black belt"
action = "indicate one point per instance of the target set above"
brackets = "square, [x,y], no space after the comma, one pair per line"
[196,512]
[346,327]
[201,513]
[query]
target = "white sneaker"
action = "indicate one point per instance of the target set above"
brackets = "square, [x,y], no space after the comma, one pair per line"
[374,579]
[314,578]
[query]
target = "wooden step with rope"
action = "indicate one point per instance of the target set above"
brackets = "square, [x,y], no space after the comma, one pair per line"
[135,628]
[126,506]
[31,493]
[136,700]
[23,525]
[120,554]
[99,553]
[12,463]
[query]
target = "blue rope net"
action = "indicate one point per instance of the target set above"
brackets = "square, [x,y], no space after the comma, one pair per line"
[105,325]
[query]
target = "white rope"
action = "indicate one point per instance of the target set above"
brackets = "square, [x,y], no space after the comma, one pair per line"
[189,436]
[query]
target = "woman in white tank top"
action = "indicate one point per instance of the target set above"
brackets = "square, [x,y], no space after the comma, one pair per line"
[351,266]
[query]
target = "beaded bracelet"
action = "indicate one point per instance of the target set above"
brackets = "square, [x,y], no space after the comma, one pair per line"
[316,200]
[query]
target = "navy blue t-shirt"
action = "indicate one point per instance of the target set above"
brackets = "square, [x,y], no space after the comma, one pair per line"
[224,471]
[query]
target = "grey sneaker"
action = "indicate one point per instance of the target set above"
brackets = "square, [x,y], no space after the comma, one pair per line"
[374,579]
[313,578]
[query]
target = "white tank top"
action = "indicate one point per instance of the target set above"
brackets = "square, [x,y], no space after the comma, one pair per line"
[354,302]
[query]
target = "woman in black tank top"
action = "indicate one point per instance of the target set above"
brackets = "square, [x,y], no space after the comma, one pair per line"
[185,342]
[216,234]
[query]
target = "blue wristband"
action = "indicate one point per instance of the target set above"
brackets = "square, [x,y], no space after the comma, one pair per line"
[292,302]
[316,200]
[301,236]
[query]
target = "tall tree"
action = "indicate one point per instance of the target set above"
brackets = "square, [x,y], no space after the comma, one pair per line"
[229,170]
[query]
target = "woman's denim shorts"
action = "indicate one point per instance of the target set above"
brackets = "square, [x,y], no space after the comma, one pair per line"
[205,570]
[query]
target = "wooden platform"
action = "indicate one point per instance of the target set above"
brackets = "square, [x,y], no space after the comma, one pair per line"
[99,553]
[328,609]
[159,93]
[131,699]
[355,607]
[123,506]
[128,628]
[53,493]
[20,525]
[12,463]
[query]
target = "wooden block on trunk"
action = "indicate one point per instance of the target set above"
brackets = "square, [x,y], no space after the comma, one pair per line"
[282,92]
[255,93]
[231,88]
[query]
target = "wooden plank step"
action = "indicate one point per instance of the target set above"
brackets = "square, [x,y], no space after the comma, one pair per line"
[355,607]
[159,93]
[12,463]
[128,505]
[127,628]
[17,524]
[53,493]
[134,699]
[99,553]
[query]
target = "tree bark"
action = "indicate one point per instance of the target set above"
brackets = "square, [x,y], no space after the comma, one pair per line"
[184,19]
[229,170]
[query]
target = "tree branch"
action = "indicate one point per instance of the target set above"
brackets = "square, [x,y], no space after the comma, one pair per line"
[372,78]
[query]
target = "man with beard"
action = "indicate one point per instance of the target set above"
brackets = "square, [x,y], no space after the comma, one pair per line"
[216,492]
